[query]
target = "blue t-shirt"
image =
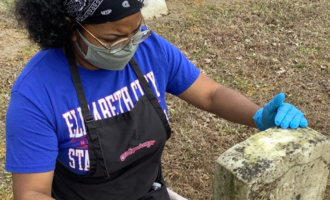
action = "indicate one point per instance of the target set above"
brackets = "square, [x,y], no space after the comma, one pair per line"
[44,119]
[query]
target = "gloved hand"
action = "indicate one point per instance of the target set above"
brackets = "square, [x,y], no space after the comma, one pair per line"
[277,113]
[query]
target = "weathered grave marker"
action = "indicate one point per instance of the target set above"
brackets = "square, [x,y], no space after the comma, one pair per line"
[277,164]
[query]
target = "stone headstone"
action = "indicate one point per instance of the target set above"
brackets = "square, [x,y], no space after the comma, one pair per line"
[277,164]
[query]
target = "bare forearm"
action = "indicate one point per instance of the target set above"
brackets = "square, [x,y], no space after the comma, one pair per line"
[233,106]
[33,196]
[208,95]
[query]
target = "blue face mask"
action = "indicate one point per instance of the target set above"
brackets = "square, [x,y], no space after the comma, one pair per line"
[101,58]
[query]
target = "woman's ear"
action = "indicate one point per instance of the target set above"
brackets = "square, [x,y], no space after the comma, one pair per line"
[69,21]
[70,24]
[74,36]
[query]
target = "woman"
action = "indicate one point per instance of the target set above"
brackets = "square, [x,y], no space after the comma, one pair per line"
[91,109]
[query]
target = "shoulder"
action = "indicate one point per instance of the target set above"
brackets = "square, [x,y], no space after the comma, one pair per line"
[41,67]
[159,52]
[158,45]
[169,65]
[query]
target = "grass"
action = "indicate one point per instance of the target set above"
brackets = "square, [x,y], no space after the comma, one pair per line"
[257,47]
[5,177]
[6,17]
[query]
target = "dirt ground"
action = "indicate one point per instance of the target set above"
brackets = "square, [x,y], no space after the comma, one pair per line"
[257,47]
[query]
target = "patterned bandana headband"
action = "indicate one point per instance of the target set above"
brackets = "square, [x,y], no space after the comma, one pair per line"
[101,11]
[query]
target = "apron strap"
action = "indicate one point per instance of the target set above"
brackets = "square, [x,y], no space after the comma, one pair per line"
[151,96]
[93,140]
[77,83]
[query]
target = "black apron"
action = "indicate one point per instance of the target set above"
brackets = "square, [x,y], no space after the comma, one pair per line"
[124,150]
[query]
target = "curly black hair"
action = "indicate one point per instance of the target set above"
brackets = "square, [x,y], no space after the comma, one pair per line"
[45,22]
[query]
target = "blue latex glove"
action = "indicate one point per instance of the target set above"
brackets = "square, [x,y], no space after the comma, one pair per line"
[277,113]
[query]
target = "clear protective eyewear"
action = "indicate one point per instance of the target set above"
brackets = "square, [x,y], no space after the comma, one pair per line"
[122,43]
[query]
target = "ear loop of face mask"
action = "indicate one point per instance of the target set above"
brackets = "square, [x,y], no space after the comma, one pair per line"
[88,44]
